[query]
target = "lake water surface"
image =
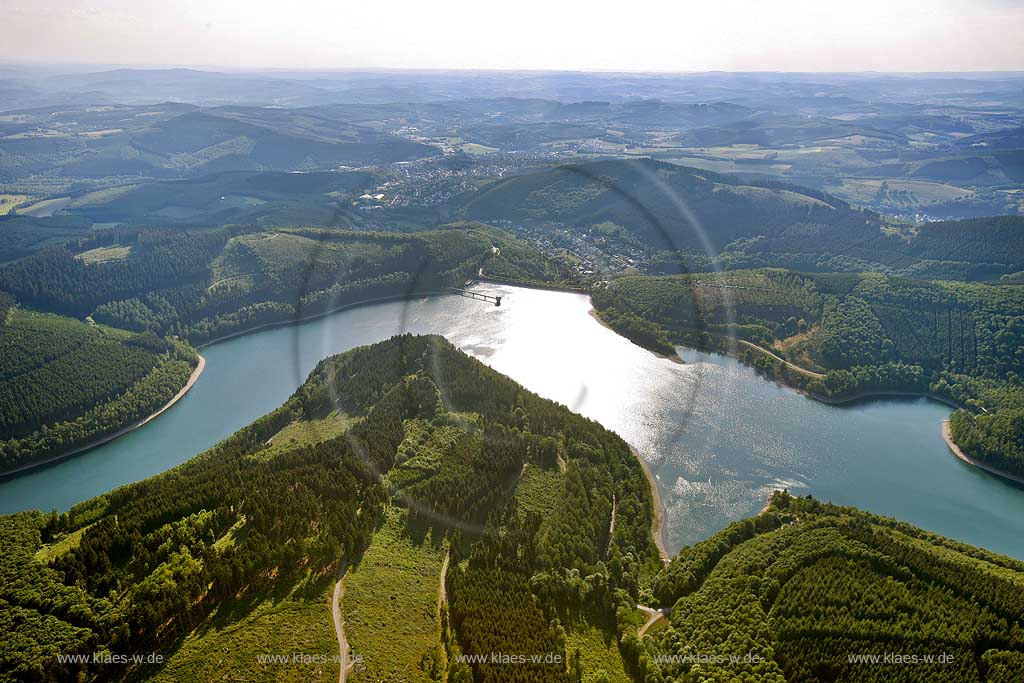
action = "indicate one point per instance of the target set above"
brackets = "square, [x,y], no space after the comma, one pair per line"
[718,437]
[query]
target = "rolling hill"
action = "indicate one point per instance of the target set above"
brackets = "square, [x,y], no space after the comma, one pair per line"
[179,141]
[689,219]
[409,423]
[205,284]
[242,197]
[813,592]
[668,207]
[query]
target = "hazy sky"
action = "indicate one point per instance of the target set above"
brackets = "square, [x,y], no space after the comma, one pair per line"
[672,35]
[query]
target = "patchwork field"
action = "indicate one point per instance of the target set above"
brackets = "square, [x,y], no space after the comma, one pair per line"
[898,194]
[539,489]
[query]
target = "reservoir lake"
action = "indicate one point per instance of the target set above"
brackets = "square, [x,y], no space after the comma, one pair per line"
[718,438]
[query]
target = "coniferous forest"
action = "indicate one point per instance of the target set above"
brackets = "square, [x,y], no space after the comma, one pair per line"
[797,591]
[66,383]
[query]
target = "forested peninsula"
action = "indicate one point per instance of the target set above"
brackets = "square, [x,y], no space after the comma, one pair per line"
[536,520]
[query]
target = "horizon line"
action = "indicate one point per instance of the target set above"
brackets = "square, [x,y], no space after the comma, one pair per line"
[215,68]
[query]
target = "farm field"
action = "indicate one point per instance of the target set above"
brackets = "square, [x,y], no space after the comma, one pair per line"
[898,194]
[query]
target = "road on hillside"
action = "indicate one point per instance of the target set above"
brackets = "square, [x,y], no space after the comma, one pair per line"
[339,629]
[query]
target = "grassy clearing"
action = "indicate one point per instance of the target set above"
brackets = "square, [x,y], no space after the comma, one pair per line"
[784,345]
[235,535]
[46,207]
[224,647]
[539,490]
[600,659]
[308,432]
[103,254]
[98,197]
[725,165]
[101,133]
[759,192]
[660,624]
[390,604]
[9,201]
[799,348]
[50,552]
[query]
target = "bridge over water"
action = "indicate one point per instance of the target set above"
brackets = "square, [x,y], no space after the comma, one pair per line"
[470,294]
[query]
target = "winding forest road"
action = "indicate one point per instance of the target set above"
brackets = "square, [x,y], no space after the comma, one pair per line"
[441,593]
[611,529]
[791,366]
[339,629]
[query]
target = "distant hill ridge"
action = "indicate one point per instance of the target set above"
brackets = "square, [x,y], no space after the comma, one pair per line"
[698,214]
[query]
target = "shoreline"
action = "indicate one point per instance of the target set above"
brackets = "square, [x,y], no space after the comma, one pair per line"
[871,395]
[821,398]
[383,300]
[201,365]
[675,357]
[192,378]
[658,520]
[315,316]
[657,523]
[947,436]
[945,431]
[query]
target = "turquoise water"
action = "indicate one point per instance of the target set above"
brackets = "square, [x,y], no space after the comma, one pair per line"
[718,437]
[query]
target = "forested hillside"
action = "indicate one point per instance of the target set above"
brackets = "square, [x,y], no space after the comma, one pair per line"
[412,421]
[206,284]
[652,199]
[65,383]
[849,235]
[689,219]
[812,592]
[862,332]
[546,518]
